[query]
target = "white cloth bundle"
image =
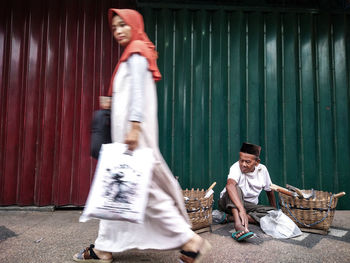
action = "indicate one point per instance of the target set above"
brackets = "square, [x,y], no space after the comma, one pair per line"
[278,225]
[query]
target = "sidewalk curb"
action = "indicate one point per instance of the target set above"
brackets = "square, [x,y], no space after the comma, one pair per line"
[28,208]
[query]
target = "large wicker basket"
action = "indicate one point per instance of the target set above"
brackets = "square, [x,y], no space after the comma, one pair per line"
[314,215]
[199,208]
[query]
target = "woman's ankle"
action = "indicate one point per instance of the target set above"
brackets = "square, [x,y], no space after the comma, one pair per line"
[103,254]
[193,244]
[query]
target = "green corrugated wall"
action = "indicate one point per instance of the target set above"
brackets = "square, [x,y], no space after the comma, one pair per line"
[278,79]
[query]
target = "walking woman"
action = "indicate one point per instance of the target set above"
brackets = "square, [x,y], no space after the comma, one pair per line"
[134,122]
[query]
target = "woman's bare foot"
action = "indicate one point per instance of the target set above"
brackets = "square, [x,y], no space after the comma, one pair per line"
[90,253]
[194,244]
[103,254]
[195,250]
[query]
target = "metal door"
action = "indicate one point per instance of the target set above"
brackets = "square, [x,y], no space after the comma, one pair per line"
[56,58]
[270,77]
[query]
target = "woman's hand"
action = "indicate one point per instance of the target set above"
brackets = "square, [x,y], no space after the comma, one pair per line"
[105,102]
[132,138]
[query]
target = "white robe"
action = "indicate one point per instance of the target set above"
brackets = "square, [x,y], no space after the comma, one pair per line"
[166,224]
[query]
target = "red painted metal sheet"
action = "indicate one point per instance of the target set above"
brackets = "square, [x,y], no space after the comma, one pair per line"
[56,59]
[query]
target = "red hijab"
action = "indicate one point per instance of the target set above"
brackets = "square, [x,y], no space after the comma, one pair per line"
[139,43]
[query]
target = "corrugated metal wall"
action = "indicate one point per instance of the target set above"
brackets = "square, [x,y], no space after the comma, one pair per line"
[56,58]
[278,79]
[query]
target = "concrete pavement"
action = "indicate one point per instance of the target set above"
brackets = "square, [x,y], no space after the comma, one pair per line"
[54,236]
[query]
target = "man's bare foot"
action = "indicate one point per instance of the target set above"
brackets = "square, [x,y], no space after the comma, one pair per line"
[243,230]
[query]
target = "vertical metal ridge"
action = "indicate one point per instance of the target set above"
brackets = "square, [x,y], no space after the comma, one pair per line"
[63,106]
[23,62]
[59,108]
[283,87]
[191,103]
[302,161]
[77,168]
[101,84]
[317,104]
[347,65]
[2,106]
[264,129]
[74,117]
[334,110]
[228,85]
[347,19]
[173,95]
[156,31]
[210,94]
[55,173]
[42,98]
[5,87]
[246,101]
[97,64]
[184,101]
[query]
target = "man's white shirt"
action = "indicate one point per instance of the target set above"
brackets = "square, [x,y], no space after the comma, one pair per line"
[252,183]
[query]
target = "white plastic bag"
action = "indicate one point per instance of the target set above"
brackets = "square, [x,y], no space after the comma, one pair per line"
[218,216]
[278,225]
[119,190]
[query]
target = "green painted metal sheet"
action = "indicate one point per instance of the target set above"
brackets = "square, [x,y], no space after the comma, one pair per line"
[278,79]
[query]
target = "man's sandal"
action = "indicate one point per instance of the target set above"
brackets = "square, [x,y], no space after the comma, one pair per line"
[242,237]
[195,257]
[88,255]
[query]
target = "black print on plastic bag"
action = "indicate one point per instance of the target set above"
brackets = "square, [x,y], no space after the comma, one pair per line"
[119,190]
[119,187]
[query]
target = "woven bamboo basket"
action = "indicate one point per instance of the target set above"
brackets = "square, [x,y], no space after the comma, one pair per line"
[199,208]
[313,215]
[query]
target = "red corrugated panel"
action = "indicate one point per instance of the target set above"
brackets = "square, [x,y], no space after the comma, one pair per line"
[56,58]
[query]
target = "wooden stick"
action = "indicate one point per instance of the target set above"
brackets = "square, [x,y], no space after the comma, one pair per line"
[281,190]
[212,186]
[295,189]
[339,194]
[277,187]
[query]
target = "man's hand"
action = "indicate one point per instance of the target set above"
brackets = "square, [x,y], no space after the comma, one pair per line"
[244,219]
[132,138]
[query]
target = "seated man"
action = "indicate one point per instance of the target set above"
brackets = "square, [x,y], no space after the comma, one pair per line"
[240,198]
